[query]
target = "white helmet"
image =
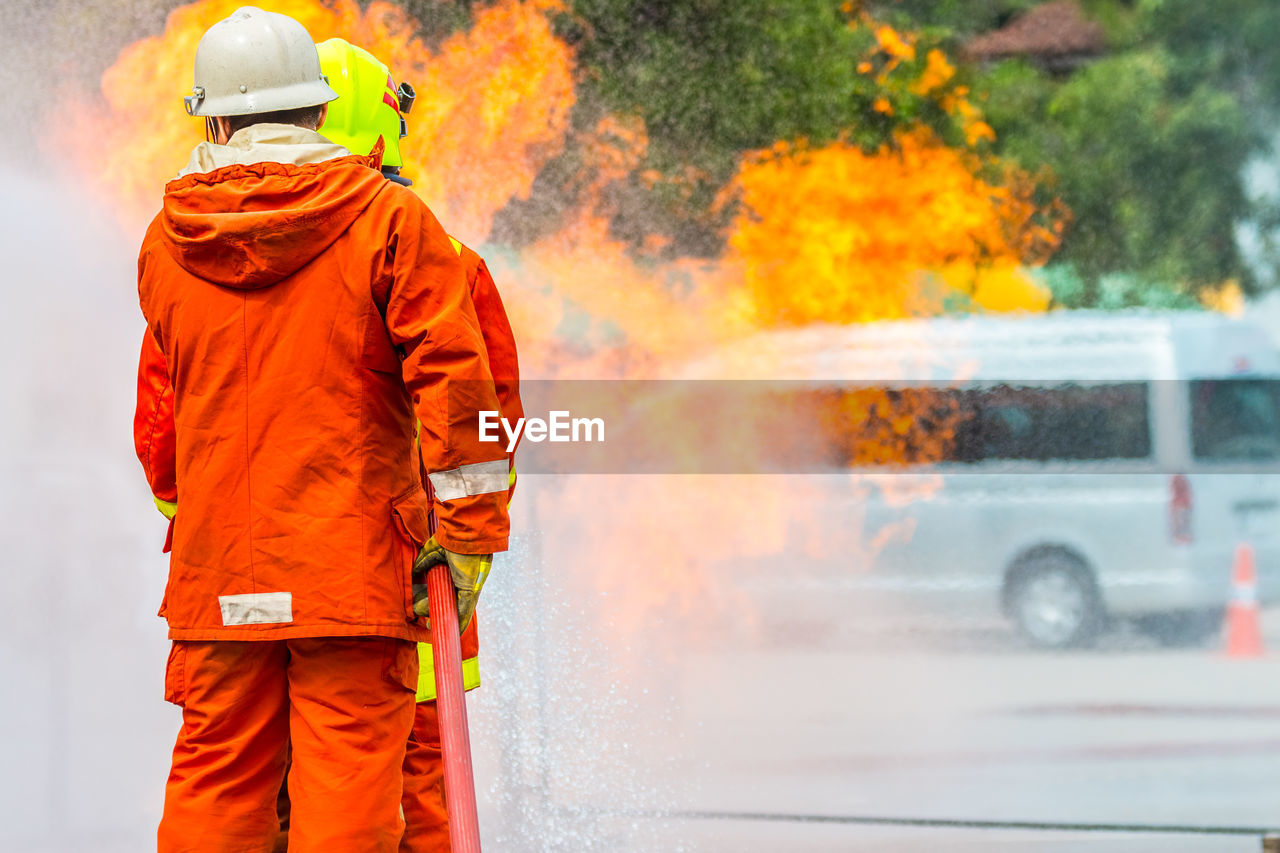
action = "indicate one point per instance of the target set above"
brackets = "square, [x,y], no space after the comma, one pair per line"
[256,62]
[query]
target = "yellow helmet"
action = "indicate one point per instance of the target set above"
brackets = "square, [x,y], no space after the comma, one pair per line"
[369,103]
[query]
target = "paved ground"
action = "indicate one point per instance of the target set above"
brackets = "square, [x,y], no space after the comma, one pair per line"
[1143,738]
[974,728]
[578,753]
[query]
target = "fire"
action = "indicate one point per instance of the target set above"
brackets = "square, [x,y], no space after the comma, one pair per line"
[497,101]
[840,235]
[495,108]
[599,310]
[875,426]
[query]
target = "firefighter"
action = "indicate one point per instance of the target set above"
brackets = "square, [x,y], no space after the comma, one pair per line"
[371,107]
[303,314]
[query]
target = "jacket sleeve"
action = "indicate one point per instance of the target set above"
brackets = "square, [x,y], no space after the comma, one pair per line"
[499,344]
[154,433]
[432,321]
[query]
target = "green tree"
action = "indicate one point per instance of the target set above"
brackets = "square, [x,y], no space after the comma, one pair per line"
[960,17]
[712,78]
[1230,44]
[1148,145]
[1151,174]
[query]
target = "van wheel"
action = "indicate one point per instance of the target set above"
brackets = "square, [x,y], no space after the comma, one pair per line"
[1054,603]
[1183,629]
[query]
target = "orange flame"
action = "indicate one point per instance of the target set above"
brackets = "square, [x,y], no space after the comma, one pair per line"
[839,235]
[497,109]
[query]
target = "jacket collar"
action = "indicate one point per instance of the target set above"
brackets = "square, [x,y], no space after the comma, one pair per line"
[263,143]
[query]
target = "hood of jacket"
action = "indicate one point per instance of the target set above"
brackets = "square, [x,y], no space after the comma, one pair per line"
[256,210]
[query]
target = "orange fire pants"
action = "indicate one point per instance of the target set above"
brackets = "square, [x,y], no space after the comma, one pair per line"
[426,818]
[346,704]
[425,815]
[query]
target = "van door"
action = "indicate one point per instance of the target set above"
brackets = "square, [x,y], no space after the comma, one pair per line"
[1235,445]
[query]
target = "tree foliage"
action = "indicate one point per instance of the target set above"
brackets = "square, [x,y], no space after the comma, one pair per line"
[1148,144]
[1152,175]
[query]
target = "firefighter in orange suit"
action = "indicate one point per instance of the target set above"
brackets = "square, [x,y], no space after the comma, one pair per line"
[303,315]
[371,107]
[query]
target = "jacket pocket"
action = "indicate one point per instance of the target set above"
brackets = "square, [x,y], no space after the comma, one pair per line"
[413,511]
[400,664]
[175,675]
[412,514]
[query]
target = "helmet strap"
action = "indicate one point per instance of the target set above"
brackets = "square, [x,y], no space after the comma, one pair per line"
[392,173]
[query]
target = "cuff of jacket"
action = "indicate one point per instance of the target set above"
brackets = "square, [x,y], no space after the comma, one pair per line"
[167,508]
[476,524]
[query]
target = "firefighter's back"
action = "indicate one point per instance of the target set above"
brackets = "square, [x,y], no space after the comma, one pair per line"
[266,285]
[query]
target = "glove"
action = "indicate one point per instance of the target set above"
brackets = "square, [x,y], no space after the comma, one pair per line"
[468,571]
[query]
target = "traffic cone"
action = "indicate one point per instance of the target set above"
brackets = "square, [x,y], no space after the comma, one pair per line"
[1244,633]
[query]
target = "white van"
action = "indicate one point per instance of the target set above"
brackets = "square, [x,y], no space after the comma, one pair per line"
[1106,466]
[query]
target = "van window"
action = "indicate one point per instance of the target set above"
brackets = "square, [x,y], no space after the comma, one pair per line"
[1066,422]
[903,427]
[1235,419]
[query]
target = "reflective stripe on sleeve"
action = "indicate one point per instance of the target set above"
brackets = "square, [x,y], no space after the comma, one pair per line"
[167,509]
[479,478]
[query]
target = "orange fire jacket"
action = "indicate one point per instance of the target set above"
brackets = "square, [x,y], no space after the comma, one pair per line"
[300,318]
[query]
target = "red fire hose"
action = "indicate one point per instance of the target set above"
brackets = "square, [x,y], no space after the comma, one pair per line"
[451,706]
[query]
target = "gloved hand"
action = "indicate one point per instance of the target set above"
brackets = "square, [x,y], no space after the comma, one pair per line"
[468,571]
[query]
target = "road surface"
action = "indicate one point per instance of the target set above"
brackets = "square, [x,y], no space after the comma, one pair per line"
[953,727]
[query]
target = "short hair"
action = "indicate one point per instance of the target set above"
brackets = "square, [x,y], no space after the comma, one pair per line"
[308,117]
